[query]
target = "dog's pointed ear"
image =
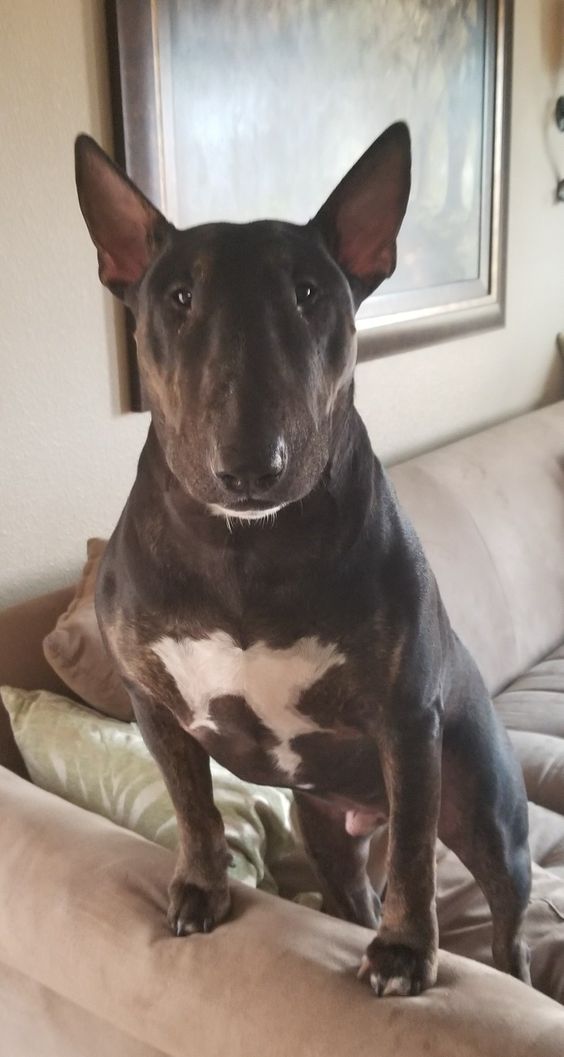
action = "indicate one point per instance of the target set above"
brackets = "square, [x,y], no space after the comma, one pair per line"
[361,219]
[125,227]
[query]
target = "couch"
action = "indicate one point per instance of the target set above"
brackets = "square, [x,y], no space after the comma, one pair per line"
[87,966]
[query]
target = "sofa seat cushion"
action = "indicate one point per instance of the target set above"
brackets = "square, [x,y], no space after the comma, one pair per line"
[535,701]
[546,841]
[35,1021]
[464,916]
[542,758]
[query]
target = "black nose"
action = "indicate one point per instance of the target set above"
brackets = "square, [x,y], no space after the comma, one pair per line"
[253,474]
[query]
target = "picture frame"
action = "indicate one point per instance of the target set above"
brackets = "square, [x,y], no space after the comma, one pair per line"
[205,96]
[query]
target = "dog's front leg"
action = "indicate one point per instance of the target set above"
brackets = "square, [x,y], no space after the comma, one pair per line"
[199,892]
[402,959]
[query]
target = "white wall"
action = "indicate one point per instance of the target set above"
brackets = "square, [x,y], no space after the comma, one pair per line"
[67,452]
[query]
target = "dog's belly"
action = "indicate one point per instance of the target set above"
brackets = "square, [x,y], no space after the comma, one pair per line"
[249,708]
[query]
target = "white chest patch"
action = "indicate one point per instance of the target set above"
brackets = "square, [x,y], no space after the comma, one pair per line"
[271,681]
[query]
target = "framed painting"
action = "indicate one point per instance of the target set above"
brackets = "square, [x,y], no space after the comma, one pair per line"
[242,109]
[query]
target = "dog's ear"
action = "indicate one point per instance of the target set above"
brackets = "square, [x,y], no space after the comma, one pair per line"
[125,227]
[361,218]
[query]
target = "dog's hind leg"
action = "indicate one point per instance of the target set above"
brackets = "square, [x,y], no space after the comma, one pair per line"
[484,821]
[340,861]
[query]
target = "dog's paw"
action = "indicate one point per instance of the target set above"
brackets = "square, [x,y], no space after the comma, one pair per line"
[195,909]
[396,969]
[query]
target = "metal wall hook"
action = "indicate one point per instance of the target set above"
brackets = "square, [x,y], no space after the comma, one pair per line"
[559,118]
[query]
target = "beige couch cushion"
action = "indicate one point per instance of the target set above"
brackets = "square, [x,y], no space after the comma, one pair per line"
[542,759]
[535,701]
[37,1022]
[465,919]
[546,841]
[86,918]
[490,512]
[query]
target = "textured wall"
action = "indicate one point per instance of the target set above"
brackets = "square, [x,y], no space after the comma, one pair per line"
[67,453]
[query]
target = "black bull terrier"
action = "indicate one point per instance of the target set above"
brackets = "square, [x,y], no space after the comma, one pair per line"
[264,597]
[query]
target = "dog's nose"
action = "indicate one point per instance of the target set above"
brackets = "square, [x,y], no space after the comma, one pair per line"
[251,476]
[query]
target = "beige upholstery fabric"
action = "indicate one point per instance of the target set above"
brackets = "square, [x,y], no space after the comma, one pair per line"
[36,1022]
[76,652]
[542,759]
[464,917]
[490,512]
[87,919]
[546,840]
[535,701]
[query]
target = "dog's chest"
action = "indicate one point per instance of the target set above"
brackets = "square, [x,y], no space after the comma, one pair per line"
[245,700]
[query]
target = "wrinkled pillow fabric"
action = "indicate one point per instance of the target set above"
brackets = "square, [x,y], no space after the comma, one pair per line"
[102,764]
[76,652]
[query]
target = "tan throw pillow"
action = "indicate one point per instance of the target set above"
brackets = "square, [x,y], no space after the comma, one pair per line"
[76,652]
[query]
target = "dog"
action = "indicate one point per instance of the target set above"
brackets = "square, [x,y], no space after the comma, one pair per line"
[264,597]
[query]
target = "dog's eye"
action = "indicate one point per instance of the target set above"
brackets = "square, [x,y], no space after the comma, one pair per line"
[305,294]
[181,296]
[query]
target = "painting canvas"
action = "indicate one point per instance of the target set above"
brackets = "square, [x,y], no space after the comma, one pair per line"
[256,108]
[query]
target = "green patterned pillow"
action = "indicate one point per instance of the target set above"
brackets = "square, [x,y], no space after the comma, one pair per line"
[102,764]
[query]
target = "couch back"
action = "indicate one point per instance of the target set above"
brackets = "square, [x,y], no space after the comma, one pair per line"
[490,512]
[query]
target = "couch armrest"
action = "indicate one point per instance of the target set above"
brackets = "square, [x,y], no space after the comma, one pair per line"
[22,630]
[82,906]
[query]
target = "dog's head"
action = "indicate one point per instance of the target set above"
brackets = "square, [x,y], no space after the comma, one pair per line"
[245,332]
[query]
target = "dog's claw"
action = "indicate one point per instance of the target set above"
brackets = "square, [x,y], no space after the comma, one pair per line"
[398,985]
[376,984]
[398,970]
[195,909]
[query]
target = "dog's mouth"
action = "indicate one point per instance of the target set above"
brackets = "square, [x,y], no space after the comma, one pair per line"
[246,510]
